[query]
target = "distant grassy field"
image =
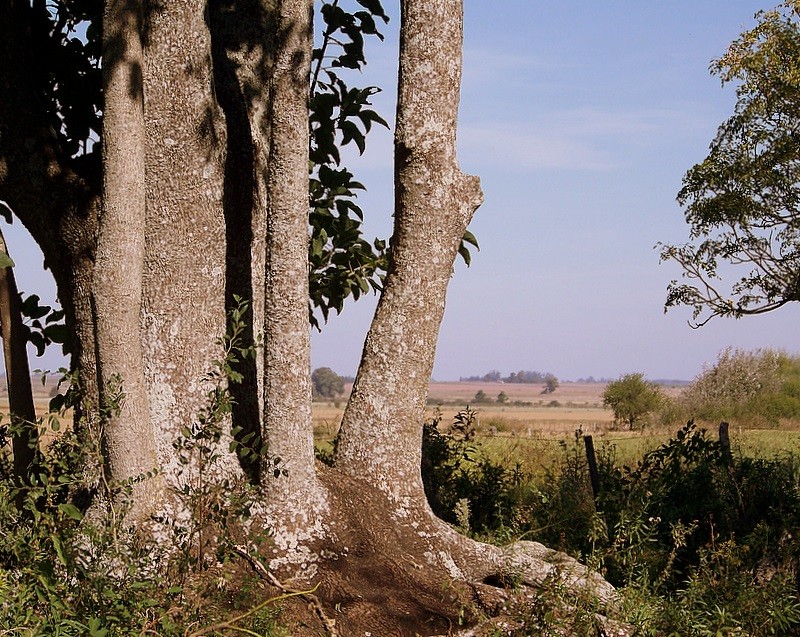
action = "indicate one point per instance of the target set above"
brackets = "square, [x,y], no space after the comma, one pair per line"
[528,411]
[532,428]
[537,435]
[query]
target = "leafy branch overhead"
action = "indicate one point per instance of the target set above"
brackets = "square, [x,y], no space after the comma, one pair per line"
[741,202]
[341,262]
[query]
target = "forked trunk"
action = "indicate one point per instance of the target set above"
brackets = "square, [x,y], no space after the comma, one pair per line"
[205,200]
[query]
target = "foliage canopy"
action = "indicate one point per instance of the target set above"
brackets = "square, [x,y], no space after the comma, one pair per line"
[741,202]
[632,398]
[327,383]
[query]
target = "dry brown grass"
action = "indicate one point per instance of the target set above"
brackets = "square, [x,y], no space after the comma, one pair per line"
[585,394]
[528,412]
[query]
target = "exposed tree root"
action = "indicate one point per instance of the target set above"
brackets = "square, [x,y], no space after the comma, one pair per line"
[328,623]
[392,568]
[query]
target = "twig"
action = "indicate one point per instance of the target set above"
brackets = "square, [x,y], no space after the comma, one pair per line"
[258,567]
[231,623]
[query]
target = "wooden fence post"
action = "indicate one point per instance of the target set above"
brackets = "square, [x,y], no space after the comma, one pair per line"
[591,459]
[725,442]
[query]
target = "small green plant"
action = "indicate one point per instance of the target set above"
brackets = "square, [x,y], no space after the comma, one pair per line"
[556,610]
[66,570]
[463,486]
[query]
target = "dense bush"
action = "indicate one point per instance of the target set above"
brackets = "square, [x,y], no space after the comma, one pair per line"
[70,569]
[464,487]
[752,388]
[701,543]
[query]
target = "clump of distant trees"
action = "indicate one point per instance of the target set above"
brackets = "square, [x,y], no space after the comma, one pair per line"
[523,376]
[326,383]
[527,377]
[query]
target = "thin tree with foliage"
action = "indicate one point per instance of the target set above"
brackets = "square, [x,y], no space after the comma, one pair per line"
[742,202]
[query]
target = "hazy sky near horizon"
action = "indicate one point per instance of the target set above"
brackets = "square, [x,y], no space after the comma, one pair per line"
[581,119]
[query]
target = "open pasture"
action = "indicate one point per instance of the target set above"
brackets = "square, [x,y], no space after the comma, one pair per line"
[527,412]
[586,394]
[535,430]
[531,428]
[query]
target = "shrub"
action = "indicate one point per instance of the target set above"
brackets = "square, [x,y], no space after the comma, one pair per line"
[757,388]
[632,399]
[65,571]
[463,486]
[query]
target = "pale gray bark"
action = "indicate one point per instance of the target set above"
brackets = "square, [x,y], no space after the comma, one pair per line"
[183,308]
[222,210]
[128,433]
[434,202]
[287,358]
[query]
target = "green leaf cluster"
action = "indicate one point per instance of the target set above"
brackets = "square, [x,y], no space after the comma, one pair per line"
[44,325]
[697,542]
[632,399]
[67,39]
[465,486]
[341,262]
[742,201]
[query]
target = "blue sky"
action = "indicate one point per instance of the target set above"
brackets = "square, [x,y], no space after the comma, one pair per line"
[581,119]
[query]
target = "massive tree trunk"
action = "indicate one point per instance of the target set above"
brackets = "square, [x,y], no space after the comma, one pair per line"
[205,200]
[183,303]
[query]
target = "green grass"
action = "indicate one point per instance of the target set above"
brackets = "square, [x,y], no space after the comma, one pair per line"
[538,455]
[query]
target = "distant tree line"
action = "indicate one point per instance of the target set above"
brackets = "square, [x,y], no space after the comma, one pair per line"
[523,376]
[326,383]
